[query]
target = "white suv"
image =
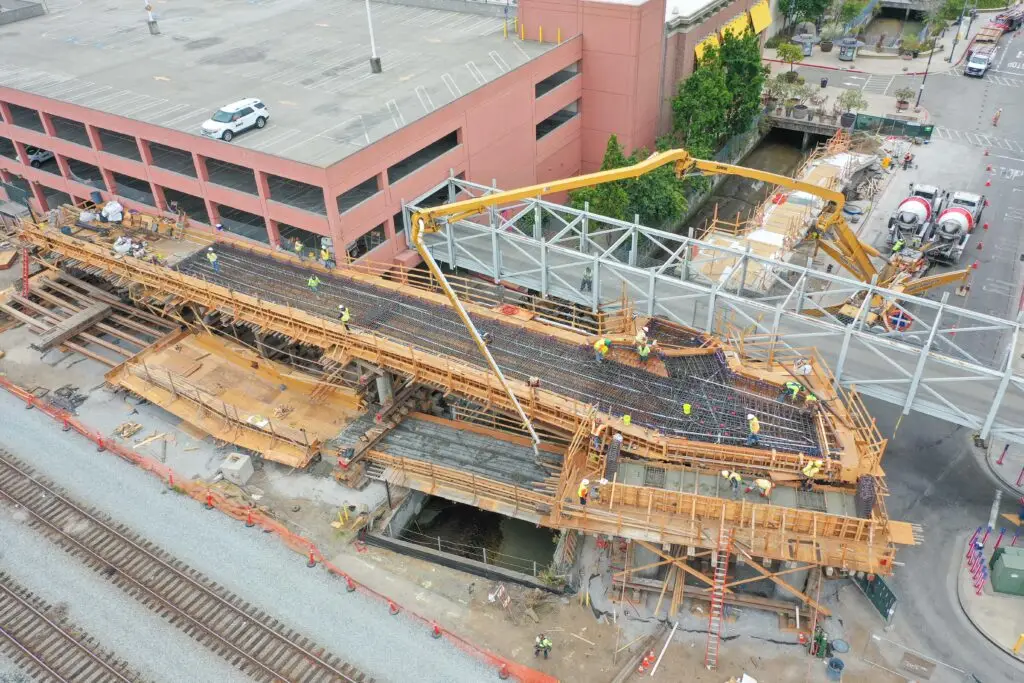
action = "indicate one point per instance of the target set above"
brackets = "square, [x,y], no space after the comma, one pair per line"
[37,157]
[236,117]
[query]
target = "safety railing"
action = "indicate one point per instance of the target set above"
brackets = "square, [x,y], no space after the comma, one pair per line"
[477,553]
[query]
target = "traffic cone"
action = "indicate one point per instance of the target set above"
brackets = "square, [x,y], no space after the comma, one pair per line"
[980,245]
[435,632]
[67,426]
[350,585]
[312,560]
[170,480]
[988,183]
[974,266]
[989,167]
[503,672]
[248,519]
[986,152]
[209,500]
[986,202]
[984,226]
[392,607]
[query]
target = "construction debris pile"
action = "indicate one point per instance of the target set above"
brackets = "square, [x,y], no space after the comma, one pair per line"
[67,398]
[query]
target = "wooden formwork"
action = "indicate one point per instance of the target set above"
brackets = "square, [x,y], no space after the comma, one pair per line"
[541,405]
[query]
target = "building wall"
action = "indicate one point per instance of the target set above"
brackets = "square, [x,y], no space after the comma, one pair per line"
[496,127]
[621,60]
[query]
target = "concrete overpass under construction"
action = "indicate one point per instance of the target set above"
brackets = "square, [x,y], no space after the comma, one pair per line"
[765,305]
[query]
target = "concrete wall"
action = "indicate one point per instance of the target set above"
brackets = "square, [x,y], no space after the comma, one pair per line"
[17,10]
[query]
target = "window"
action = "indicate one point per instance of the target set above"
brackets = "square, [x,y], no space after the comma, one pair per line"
[119,144]
[558,119]
[42,159]
[133,188]
[349,199]
[367,242]
[231,175]
[223,116]
[311,242]
[298,194]
[86,173]
[419,159]
[556,79]
[193,206]
[26,118]
[242,112]
[243,223]
[55,198]
[7,149]
[172,159]
[69,130]
[260,105]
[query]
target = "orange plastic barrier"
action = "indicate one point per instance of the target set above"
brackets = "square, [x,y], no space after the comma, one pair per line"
[252,517]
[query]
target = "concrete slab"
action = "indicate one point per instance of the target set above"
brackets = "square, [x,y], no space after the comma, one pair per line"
[309,61]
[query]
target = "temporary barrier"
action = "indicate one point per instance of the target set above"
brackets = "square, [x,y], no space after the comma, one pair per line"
[201,493]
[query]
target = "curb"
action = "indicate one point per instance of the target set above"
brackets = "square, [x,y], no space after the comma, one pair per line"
[1012,486]
[960,601]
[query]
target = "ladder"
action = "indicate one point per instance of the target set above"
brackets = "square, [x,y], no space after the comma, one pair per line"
[717,609]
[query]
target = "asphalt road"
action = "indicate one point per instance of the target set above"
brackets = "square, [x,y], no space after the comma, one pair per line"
[935,475]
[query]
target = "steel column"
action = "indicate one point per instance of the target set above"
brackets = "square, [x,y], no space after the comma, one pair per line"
[595,285]
[538,229]
[915,381]
[650,292]
[544,269]
[634,239]
[585,228]
[990,418]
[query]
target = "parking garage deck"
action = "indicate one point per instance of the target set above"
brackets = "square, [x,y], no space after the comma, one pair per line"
[307,60]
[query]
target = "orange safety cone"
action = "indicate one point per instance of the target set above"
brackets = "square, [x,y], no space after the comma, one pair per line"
[980,245]
[503,672]
[986,152]
[989,167]
[986,202]
[170,480]
[350,585]
[100,446]
[984,226]
[66,426]
[209,500]
[312,560]
[988,183]
[248,518]
[974,266]
[392,607]
[435,631]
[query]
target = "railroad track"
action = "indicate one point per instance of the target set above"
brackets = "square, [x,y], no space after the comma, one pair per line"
[249,639]
[38,639]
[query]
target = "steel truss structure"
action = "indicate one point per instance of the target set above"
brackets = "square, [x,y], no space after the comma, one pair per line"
[954,364]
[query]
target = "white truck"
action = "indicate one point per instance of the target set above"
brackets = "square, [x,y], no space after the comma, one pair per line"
[951,231]
[979,60]
[912,219]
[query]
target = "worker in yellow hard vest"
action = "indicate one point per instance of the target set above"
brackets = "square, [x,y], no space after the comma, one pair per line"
[584,491]
[810,470]
[601,347]
[734,479]
[754,428]
[763,486]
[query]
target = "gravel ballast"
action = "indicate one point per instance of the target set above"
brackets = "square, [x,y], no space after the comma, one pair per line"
[255,566]
[121,625]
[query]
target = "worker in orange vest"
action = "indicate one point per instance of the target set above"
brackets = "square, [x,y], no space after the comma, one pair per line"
[584,491]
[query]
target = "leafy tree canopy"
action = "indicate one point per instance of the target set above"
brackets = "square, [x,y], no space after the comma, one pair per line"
[804,10]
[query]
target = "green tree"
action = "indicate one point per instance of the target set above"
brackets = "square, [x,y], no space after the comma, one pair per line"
[744,79]
[609,199]
[790,53]
[700,110]
[804,10]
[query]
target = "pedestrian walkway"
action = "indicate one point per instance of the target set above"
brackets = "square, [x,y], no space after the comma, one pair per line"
[996,616]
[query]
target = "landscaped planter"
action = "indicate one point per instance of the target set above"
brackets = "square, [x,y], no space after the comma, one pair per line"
[826,45]
[800,111]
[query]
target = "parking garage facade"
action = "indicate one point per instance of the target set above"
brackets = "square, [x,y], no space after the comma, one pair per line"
[357,202]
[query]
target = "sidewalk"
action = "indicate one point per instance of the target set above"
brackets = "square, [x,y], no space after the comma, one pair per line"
[870,62]
[1011,470]
[878,105]
[998,617]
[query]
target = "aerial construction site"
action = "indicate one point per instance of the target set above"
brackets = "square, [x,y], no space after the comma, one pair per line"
[716,461]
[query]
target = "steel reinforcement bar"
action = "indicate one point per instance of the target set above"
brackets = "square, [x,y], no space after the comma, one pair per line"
[541,405]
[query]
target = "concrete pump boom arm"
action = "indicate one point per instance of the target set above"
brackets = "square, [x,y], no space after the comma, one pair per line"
[431,220]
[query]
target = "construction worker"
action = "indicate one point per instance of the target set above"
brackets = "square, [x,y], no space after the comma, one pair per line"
[898,245]
[754,428]
[802,367]
[542,644]
[211,256]
[811,400]
[601,347]
[314,284]
[344,315]
[325,257]
[641,336]
[298,246]
[763,486]
[584,491]
[627,420]
[809,471]
[643,351]
[791,389]
[995,119]
[687,409]
[734,479]
[587,283]
[219,227]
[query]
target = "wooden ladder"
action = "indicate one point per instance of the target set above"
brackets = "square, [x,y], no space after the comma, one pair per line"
[717,610]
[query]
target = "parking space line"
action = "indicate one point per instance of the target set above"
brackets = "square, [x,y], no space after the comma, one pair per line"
[265,144]
[87,93]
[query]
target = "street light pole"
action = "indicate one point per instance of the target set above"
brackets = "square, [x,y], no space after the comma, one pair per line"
[920,91]
[956,36]
[375,67]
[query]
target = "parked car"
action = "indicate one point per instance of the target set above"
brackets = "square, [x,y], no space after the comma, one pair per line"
[234,118]
[37,157]
[980,60]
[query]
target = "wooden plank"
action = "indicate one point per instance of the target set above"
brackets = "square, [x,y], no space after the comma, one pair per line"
[25,318]
[118,318]
[72,327]
[114,302]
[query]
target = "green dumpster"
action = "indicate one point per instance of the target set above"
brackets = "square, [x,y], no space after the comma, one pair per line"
[1008,571]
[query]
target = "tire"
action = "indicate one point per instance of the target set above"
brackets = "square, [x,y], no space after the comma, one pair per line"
[227,135]
[36,164]
[260,122]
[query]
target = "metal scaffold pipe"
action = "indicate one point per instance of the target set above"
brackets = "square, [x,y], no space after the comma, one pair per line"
[417,238]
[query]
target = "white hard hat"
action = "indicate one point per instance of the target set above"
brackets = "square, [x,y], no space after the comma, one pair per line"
[210,249]
[647,329]
[341,307]
[750,416]
[585,482]
[725,473]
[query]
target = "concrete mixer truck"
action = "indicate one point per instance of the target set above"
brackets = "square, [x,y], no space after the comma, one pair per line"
[952,229]
[912,219]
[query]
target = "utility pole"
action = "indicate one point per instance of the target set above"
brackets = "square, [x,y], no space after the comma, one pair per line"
[920,91]
[375,67]
[959,23]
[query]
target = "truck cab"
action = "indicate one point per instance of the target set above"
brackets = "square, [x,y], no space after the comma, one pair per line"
[979,61]
[973,203]
[931,194]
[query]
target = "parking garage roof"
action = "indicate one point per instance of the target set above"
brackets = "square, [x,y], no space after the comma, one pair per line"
[308,60]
